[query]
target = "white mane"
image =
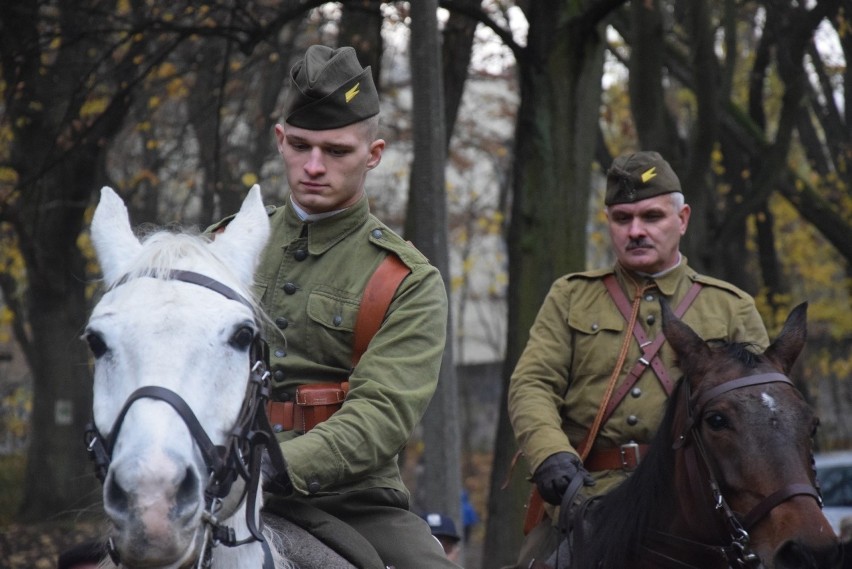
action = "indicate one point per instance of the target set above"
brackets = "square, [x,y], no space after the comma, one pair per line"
[165,250]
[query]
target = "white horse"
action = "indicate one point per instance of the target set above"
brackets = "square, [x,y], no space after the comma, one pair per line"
[180,382]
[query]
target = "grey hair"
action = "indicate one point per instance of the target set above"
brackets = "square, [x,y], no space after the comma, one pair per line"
[678,201]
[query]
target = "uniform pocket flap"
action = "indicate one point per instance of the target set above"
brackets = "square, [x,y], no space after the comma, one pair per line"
[332,311]
[594,321]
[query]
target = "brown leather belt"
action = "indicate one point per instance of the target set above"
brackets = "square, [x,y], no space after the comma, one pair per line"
[314,404]
[625,457]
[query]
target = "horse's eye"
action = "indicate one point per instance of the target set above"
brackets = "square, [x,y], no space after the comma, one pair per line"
[96,343]
[242,338]
[716,421]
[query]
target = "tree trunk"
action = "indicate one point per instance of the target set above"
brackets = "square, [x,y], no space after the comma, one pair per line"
[439,486]
[456,48]
[59,477]
[655,127]
[55,153]
[361,28]
[560,82]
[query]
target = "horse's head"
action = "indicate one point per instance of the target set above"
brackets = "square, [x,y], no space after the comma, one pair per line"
[743,435]
[155,331]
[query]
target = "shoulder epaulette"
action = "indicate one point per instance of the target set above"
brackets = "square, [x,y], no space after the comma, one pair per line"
[385,238]
[718,283]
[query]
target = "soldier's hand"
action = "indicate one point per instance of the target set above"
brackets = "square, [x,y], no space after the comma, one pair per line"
[554,475]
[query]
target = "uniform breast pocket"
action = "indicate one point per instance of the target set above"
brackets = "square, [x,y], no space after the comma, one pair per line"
[332,318]
[596,340]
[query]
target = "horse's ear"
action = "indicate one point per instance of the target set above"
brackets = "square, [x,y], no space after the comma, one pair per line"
[112,237]
[691,350]
[786,348]
[241,243]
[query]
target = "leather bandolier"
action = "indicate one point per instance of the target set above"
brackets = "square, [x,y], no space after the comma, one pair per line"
[316,402]
[629,455]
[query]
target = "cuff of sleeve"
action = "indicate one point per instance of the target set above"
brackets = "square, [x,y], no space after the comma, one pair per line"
[315,463]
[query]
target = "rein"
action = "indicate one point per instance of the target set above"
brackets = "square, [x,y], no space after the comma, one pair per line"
[238,461]
[738,553]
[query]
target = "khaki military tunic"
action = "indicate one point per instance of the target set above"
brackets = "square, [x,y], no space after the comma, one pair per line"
[562,375]
[310,282]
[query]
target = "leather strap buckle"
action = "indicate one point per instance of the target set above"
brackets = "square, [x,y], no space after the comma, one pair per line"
[630,456]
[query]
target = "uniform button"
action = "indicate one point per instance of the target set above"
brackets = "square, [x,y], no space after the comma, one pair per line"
[300,254]
[290,288]
[635,392]
[649,297]
[278,375]
[282,322]
[650,319]
[632,420]
[376,233]
[595,326]
[313,487]
[337,320]
[280,353]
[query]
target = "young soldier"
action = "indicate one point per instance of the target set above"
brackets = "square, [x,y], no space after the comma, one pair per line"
[324,248]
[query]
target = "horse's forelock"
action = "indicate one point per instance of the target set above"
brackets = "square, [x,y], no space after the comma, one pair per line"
[164,251]
[742,352]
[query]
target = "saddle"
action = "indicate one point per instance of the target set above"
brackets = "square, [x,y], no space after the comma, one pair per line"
[335,534]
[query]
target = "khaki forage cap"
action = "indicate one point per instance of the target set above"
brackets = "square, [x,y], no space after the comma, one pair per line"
[638,176]
[330,89]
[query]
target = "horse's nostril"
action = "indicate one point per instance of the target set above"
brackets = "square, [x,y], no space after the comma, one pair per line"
[115,496]
[795,555]
[188,492]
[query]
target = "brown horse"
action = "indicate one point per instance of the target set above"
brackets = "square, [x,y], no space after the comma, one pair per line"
[729,480]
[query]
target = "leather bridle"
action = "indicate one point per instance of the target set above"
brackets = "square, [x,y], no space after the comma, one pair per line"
[734,529]
[237,461]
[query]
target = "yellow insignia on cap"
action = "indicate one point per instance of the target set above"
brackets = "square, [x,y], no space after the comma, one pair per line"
[648,174]
[351,93]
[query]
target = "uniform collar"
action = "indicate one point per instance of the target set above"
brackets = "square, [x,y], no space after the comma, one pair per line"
[326,233]
[667,283]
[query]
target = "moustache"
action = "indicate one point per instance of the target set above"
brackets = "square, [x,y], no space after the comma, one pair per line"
[639,244]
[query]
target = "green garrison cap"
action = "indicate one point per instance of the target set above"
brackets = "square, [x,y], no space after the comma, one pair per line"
[638,176]
[329,90]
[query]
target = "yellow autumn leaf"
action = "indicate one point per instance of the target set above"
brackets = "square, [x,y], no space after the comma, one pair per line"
[249,179]
[94,107]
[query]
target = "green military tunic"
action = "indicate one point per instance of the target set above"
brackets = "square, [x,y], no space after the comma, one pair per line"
[310,282]
[562,375]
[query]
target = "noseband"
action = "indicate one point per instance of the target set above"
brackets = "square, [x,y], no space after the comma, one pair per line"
[739,553]
[239,458]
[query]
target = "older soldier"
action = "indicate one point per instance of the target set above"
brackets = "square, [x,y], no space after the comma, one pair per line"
[324,251]
[592,383]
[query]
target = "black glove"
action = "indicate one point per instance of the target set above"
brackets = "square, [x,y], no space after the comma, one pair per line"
[556,472]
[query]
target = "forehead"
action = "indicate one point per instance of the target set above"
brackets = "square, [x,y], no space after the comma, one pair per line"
[347,135]
[657,203]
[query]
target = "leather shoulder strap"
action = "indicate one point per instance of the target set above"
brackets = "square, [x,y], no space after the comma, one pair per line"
[649,357]
[375,302]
